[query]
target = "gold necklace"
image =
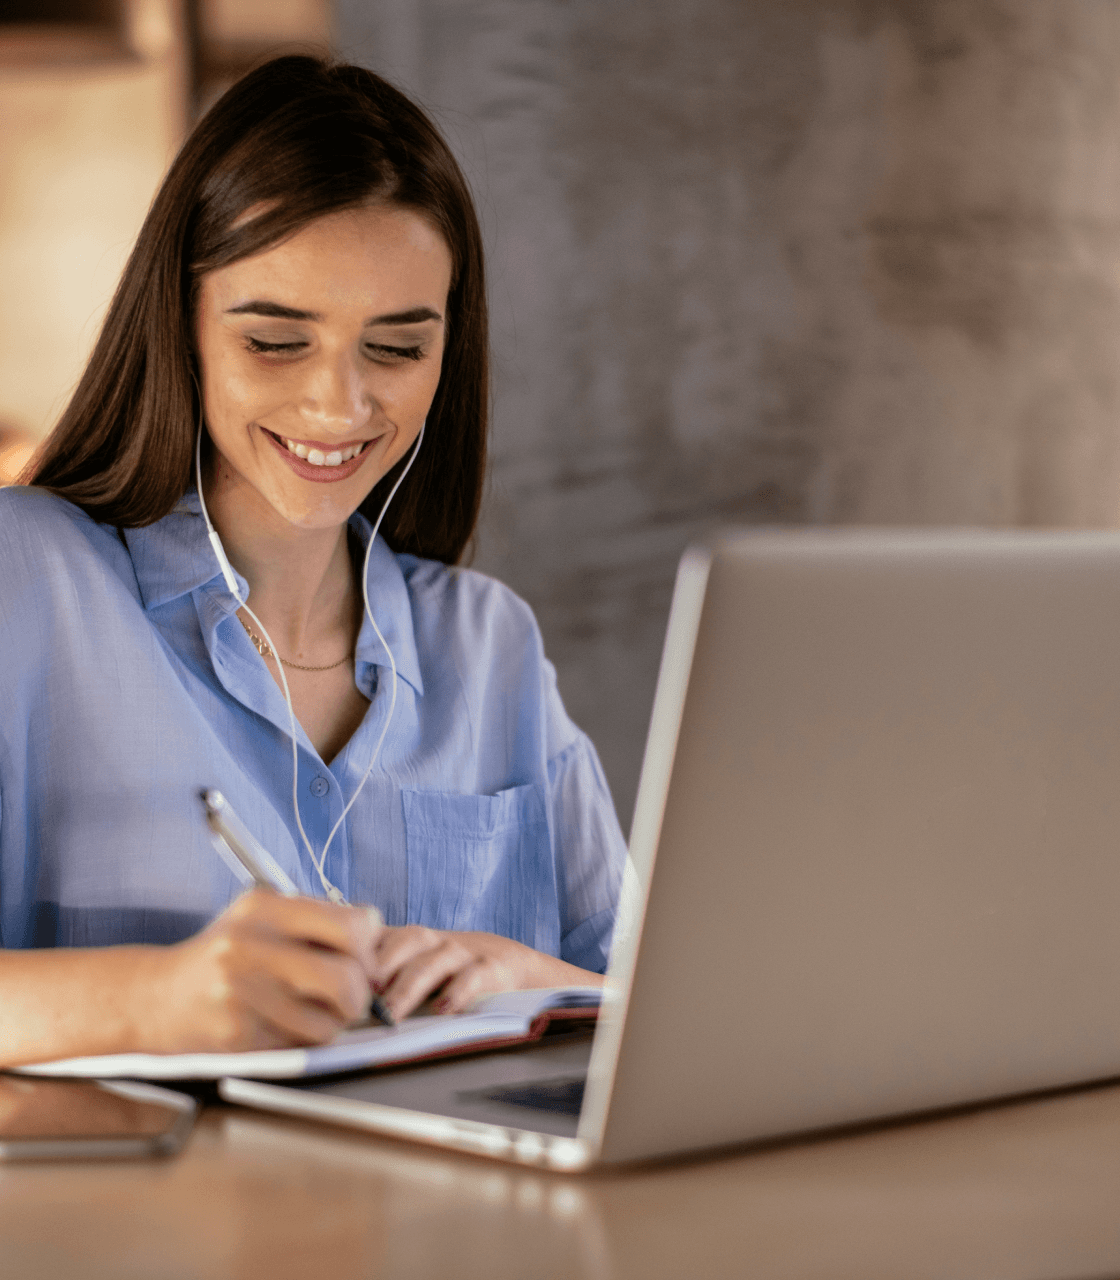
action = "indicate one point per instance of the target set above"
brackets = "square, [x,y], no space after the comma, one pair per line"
[265,650]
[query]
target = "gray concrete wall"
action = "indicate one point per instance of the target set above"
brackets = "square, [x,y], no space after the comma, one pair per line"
[772,260]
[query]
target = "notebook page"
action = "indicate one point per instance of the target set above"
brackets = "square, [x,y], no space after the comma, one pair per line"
[501,1016]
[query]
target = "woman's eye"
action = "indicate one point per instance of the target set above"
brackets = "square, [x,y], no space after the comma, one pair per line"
[392,354]
[273,348]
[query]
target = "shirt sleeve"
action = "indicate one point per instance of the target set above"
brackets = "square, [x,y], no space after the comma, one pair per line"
[590,854]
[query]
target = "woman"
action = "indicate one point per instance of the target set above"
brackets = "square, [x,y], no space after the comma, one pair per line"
[309,286]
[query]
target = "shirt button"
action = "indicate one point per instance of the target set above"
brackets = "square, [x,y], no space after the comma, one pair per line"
[319,786]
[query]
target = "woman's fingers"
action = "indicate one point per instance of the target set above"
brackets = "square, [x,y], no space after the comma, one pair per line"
[333,981]
[481,977]
[263,974]
[426,970]
[274,971]
[414,961]
[265,1016]
[353,931]
[292,1007]
[397,946]
[270,971]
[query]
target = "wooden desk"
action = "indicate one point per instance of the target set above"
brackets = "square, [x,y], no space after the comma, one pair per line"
[1025,1190]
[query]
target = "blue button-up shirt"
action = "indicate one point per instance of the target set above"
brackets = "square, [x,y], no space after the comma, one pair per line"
[128,685]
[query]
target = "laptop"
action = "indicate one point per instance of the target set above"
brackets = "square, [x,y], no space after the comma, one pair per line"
[877,840]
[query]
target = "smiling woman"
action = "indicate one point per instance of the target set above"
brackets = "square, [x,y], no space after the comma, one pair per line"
[212,581]
[320,358]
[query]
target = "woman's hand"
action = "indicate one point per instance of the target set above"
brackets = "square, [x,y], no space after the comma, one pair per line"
[270,972]
[413,962]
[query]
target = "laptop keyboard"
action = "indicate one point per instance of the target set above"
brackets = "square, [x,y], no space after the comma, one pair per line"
[564,1095]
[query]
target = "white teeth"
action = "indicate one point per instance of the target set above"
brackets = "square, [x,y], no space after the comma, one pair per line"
[318,458]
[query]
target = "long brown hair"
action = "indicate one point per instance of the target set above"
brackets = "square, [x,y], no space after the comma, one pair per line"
[302,138]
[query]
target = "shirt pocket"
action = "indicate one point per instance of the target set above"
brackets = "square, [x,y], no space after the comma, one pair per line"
[483,862]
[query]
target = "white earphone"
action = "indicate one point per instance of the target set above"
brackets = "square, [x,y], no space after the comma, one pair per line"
[319,863]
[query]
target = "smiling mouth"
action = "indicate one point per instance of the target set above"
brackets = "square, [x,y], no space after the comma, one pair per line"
[318,457]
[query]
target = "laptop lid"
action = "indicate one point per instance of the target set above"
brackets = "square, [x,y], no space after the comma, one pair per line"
[878,818]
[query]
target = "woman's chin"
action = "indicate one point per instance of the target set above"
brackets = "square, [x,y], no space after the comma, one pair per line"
[313,511]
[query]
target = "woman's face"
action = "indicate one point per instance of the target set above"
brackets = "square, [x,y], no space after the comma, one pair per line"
[319,359]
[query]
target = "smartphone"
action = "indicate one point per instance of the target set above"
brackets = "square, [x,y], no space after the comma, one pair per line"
[90,1119]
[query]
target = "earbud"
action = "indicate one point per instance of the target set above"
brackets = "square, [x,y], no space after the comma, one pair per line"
[226,567]
[215,541]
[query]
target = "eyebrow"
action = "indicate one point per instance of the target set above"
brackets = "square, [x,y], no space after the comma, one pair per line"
[274,310]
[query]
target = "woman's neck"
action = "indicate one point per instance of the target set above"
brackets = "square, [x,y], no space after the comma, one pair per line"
[301,581]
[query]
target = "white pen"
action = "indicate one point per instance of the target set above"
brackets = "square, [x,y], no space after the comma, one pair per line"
[227,827]
[230,833]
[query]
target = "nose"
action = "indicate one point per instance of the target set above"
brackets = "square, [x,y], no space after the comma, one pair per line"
[335,400]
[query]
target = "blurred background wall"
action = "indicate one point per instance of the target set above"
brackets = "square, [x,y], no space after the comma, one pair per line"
[92,107]
[756,260]
[776,260]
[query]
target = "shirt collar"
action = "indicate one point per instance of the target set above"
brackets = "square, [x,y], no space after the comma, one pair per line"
[173,557]
[391,603]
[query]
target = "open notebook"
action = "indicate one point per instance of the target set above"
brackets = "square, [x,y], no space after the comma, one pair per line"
[512,1017]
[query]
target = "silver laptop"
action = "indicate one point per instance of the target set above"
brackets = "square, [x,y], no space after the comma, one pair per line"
[878,835]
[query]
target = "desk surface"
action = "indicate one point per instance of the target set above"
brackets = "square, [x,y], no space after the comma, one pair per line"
[1028,1190]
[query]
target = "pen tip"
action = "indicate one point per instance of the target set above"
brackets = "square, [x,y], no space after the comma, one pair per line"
[380,1010]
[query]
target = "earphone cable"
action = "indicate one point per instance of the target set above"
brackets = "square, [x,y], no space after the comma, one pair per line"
[384,645]
[333,893]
